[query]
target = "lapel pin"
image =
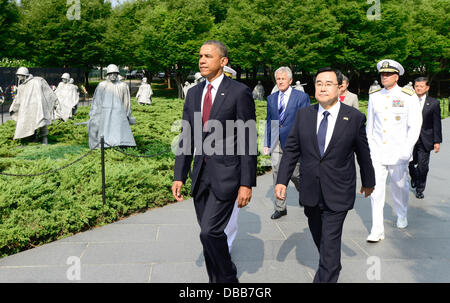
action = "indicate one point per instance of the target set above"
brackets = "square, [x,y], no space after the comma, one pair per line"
[345,118]
[222,94]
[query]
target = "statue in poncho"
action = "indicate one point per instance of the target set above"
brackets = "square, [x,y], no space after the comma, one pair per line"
[299,86]
[186,86]
[68,98]
[258,92]
[33,105]
[77,96]
[144,94]
[110,113]
[374,87]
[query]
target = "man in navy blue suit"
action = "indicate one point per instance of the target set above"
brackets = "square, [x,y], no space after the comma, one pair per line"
[326,137]
[281,109]
[225,162]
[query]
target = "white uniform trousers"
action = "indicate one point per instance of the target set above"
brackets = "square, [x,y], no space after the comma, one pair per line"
[398,175]
[232,226]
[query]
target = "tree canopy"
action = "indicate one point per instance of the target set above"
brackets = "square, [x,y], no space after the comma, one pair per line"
[166,35]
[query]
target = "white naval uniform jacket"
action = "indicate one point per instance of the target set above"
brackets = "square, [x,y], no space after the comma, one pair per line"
[394,120]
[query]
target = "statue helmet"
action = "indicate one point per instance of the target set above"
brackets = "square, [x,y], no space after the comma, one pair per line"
[65,76]
[144,79]
[197,76]
[112,68]
[71,81]
[120,78]
[23,71]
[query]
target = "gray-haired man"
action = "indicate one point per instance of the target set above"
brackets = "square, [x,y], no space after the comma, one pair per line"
[282,107]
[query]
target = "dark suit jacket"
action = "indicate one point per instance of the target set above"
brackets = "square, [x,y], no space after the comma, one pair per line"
[431,131]
[231,170]
[297,100]
[333,175]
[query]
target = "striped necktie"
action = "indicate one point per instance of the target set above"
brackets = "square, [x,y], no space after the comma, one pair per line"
[322,133]
[282,108]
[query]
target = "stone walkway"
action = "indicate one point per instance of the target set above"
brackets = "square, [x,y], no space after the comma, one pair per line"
[162,245]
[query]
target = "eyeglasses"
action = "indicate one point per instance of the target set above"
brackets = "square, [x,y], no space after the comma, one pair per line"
[326,84]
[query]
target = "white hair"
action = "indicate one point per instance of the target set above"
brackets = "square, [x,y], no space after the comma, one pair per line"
[284,69]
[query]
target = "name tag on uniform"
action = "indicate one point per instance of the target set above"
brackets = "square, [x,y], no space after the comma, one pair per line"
[398,103]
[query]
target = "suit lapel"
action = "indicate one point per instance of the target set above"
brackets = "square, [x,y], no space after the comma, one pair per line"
[198,97]
[342,121]
[290,104]
[426,106]
[314,109]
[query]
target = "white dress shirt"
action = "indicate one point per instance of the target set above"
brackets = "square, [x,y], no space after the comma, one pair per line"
[422,101]
[332,118]
[216,83]
[287,95]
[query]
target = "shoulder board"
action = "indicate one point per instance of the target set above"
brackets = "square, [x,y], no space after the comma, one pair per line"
[374,90]
[408,91]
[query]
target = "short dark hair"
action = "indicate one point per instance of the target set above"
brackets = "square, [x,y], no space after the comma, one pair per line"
[338,73]
[223,49]
[422,79]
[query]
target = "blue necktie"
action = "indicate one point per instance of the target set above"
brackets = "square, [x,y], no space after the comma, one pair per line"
[322,133]
[281,109]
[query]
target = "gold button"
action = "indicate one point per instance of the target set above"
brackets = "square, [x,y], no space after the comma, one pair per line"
[384,142]
[384,131]
[385,119]
[386,107]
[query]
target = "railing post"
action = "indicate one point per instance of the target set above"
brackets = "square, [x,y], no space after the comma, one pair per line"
[102,142]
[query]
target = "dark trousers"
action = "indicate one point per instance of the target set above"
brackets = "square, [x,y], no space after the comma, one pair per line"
[326,229]
[213,216]
[418,167]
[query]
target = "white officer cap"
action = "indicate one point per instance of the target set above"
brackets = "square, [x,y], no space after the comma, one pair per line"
[390,66]
[228,71]
[197,76]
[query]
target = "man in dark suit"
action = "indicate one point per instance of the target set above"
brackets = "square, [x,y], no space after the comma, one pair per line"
[281,109]
[326,137]
[224,157]
[430,136]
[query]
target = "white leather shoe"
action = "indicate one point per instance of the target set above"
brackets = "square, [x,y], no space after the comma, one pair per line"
[375,237]
[402,222]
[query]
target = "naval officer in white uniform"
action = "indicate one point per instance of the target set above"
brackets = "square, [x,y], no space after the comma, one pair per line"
[393,126]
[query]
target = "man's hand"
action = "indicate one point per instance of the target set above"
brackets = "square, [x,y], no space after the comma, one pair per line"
[366,190]
[176,190]
[266,150]
[437,147]
[244,196]
[280,191]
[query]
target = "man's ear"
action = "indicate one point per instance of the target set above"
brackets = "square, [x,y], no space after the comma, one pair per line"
[224,61]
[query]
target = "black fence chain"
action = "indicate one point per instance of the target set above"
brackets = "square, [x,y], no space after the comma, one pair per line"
[53,170]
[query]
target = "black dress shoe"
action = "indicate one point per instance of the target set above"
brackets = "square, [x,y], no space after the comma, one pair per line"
[419,195]
[278,214]
[413,183]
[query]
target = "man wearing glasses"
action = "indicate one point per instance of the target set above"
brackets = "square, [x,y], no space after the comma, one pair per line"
[326,137]
[394,120]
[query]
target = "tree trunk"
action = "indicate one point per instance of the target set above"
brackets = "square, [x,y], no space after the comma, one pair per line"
[179,84]
[86,78]
[255,72]
[101,72]
[238,73]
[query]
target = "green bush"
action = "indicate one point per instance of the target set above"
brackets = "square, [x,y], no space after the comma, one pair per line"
[38,210]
